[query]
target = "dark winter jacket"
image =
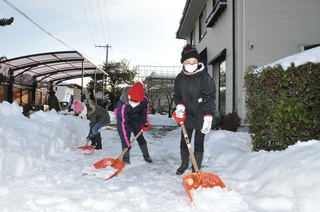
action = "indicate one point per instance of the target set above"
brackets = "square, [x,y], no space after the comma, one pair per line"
[130,119]
[97,114]
[53,102]
[197,93]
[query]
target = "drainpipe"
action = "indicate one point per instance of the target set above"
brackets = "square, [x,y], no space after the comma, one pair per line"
[233,55]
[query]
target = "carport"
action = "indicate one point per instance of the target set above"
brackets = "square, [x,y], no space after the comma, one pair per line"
[49,68]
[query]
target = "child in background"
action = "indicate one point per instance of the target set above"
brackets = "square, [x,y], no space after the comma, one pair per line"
[98,117]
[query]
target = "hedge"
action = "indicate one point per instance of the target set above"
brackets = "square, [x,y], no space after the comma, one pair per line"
[283,105]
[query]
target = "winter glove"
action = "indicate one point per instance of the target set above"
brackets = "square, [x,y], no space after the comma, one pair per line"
[180,111]
[207,121]
[145,127]
[90,136]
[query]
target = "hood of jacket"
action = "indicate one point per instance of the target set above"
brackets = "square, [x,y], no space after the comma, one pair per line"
[124,95]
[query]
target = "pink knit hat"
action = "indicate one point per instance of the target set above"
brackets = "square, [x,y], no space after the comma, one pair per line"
[77,106]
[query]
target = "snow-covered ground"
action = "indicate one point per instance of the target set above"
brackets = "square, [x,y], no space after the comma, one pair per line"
[41,171]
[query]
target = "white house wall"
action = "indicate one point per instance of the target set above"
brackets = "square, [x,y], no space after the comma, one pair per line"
[270,30]
[266,31]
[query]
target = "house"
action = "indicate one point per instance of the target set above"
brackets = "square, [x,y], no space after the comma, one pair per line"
[159,83]
[234,36]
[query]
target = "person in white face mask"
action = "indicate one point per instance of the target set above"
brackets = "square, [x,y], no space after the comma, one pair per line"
[131,111]
[194,96]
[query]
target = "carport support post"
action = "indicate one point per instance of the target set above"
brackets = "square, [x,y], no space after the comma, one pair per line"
[10,87]
[94,83]
[82,80]
[34,87]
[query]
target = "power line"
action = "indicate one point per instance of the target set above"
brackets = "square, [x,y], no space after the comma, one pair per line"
[40,27]
[84,10]
[104,37]
[94,24]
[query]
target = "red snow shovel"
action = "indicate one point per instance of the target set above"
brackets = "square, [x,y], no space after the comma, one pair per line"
[197,179]
[117,163]
[88,150]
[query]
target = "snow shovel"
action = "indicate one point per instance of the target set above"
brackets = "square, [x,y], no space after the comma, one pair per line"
[197,179]
[88,150]
[117,163]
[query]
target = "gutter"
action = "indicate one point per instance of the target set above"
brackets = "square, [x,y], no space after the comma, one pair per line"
[233,56]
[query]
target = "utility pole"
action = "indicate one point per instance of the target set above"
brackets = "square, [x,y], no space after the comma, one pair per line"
[107,50]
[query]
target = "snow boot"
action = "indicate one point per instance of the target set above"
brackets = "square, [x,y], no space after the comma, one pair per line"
[98,141]
[126,157]
[145,153]
[199,157]
[185,161]
[93,141]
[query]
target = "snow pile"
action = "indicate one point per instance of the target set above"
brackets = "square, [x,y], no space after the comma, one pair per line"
[311,55]
[41,171]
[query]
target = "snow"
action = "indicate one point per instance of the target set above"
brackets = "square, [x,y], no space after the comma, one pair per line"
[41,171]
[311,55]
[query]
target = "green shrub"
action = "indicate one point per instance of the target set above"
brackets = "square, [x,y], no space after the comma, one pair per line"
[283,105]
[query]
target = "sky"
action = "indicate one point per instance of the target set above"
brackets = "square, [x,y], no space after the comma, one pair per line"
[144,31]
[41,171]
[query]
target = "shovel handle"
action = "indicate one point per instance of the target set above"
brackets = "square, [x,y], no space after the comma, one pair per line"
[87,141]
[126,149]
[186,138]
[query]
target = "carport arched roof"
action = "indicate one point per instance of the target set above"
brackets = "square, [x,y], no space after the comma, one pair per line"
[53,67]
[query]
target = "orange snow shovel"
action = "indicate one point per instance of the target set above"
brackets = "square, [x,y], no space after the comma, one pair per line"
[88,150]
[197,179]
[117,163]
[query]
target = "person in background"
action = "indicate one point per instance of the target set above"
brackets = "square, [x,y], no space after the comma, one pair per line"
[131,112]
[98,117]
[92,96]
[194,96]
[53,101]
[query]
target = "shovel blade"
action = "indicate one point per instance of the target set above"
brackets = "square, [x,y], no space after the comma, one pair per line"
[88,150]
[117,164]
[204,180]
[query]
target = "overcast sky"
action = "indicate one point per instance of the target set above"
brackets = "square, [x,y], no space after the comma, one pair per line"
[142,31]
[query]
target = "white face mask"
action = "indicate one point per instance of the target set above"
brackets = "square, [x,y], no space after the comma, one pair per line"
[191,67]
[133,105]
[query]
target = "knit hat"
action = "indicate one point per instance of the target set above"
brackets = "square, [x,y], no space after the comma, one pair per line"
[77,106]
[189,52]
[136,92]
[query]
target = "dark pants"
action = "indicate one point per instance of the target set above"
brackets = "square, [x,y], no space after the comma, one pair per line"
[141,140]
[198,140]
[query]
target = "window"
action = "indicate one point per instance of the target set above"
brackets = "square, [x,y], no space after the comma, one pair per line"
[192,38]
[214,3]
[222,87]
[202,24]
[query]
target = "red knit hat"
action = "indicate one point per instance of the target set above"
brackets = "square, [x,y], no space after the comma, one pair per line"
[136,92]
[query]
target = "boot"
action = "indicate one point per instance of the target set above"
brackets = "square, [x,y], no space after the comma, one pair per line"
[145,153]
[199,157]
[93,141]
[126,157]
[185,161]
[98,141]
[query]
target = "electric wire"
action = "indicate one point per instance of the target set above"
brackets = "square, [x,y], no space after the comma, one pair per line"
[84,10]
[103,34]
[94,23]
[106,13]
[40,27]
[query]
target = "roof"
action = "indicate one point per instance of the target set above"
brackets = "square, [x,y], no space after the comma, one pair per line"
[191,13]
[54,67]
